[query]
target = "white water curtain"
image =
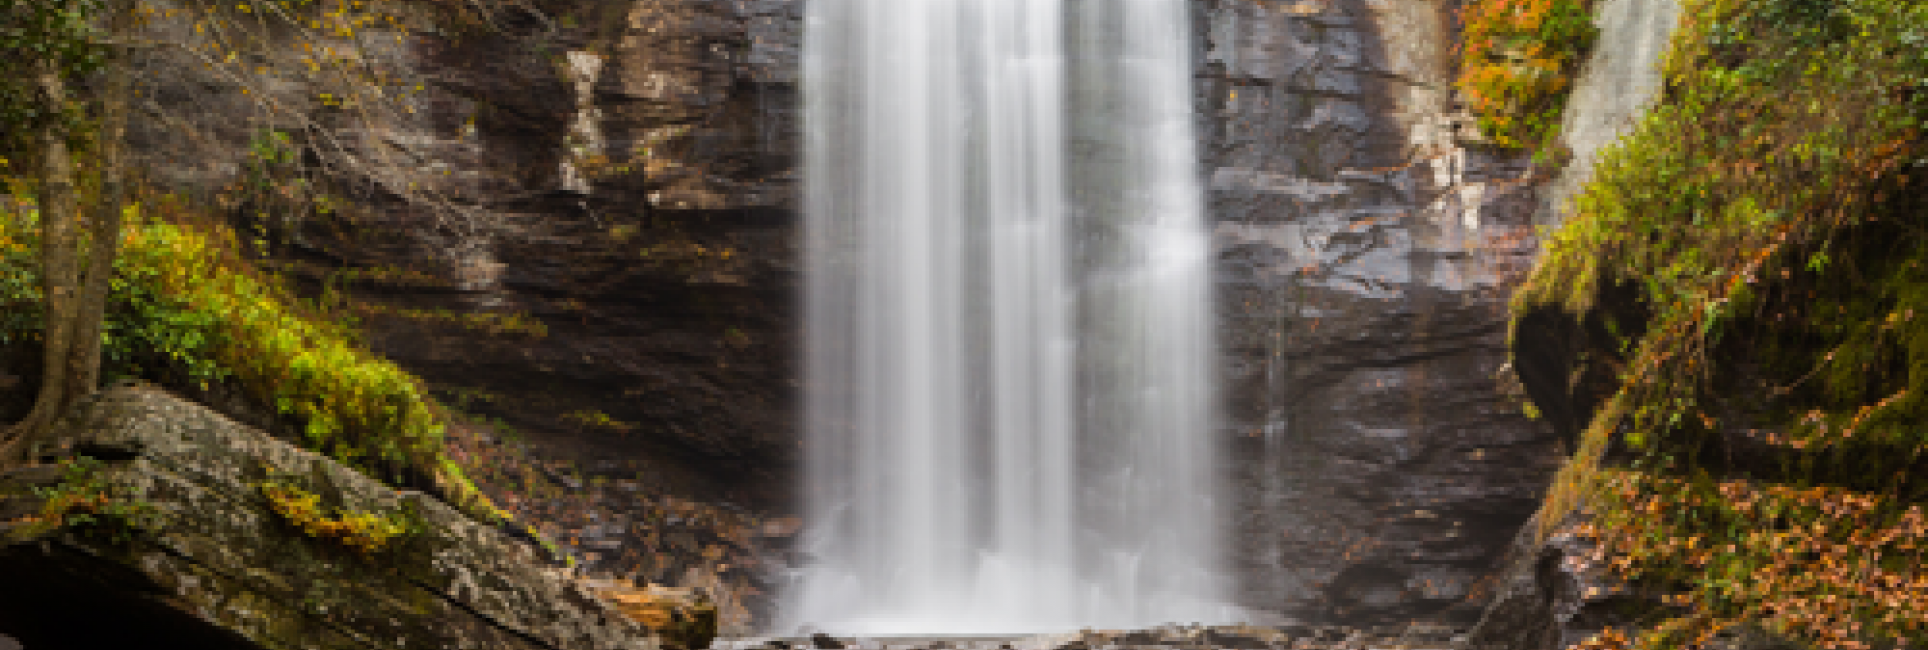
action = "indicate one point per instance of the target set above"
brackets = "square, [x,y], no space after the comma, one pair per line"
[1008,395]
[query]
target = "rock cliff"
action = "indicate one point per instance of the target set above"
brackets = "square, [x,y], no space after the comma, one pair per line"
[617,173]
[1368,240]
[625,173]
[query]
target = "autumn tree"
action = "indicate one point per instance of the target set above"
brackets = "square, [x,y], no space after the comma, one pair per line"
[324,77]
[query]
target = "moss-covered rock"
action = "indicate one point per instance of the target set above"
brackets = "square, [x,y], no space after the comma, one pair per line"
[199,549]
[1732,319]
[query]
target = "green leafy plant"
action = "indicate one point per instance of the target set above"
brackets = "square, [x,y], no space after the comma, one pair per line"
[187,303]
[84,501]
[44,35]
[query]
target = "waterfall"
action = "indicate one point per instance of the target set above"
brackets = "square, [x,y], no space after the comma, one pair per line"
[1008,372]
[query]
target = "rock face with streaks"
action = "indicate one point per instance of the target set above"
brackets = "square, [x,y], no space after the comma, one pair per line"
[616,176]
[1367,242]
[651,241]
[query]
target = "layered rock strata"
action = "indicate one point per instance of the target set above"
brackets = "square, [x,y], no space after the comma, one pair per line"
[1367,242]
[625,174]
[569,215]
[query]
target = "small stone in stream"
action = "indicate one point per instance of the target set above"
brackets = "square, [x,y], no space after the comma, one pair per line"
[1219,639]
[777,644]
[39,475]
[826,642]
[1295,631]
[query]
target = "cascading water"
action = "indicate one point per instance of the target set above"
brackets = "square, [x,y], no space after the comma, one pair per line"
[1009,402]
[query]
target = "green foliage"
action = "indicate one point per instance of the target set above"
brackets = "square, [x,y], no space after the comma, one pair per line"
[1768,214]
[184,302]
[37,32]
[86,503]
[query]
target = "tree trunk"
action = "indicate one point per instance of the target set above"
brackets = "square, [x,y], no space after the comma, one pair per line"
[84,373]
[59,267]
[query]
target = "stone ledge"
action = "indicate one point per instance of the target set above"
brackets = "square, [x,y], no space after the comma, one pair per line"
[216,557]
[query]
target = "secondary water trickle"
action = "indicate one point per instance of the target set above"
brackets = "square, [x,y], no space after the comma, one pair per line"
[1009,401]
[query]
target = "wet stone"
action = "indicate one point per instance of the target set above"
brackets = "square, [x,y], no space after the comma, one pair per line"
[16,507]
[36,476]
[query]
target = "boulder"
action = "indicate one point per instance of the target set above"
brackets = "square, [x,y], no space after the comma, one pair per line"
[684,618]
[193,541]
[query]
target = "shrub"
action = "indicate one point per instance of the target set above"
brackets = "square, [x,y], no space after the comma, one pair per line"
[365,532]
[1768,215]
[1517,61]
[185,302]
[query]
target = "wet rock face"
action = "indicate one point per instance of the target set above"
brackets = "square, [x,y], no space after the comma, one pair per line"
[620,172]
[1366,244]
[651,240]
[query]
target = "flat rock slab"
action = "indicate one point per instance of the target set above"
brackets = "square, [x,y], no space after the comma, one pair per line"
[213,561]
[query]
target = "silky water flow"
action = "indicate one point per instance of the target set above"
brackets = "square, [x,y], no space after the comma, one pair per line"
[1009,400]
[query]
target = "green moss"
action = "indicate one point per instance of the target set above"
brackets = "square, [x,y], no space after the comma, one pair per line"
[186,305]
[1768,214]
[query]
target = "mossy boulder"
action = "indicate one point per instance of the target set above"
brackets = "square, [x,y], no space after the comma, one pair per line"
[183,541]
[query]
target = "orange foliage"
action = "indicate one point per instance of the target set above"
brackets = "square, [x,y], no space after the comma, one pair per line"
[1834,566]
[1517,58]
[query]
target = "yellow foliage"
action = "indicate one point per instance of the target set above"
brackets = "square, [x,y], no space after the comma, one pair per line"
[362,531]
